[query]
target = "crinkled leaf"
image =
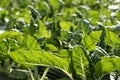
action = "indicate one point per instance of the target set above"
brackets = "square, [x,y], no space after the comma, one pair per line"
[42,31]
[112,39]
[31,43]
[80,62]
[89,41]
[43,58]
[107,65]
[12,44]
[11,34]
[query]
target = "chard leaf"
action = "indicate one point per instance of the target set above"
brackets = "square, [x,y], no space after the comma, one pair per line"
[112,39]
[42,31]
[84,26]
[89,41]
[66,26]
[31,43]
[80,62]
[107,65]
[93,15]
[40,58]
[11,34]
[50,47]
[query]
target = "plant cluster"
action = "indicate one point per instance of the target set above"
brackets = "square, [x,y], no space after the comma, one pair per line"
[60,39]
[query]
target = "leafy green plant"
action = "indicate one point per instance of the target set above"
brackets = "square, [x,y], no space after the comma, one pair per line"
[60,39]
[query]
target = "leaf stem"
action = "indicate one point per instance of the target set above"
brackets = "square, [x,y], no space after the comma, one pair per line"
[45,73]
[32,77]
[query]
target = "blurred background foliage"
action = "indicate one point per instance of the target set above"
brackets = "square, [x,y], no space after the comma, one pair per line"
[21,13]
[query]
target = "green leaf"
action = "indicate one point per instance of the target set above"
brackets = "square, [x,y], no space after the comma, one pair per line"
[12,44]
[51,41]
[65,35]
[80,62]
[41,58]
[91,2]
[43,7]
[93,16]
[68,2]
[117,30]
[9,41]
[3,48]
[118,15]
[107,65]
[68,12]
[42,31]
[51,47]
[95,35]
[55,4]
[12,34]
[65,26]
[64,53]
[26,16]
[112,39]
[84,26]
[89,41]
[31,43]
[105,13]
